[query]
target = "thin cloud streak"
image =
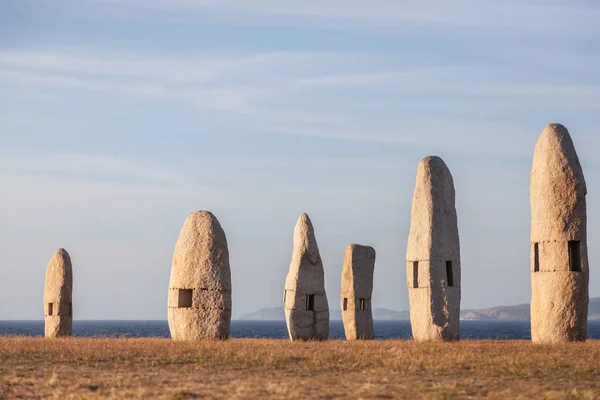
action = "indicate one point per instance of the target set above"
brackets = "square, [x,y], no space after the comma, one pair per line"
[115,65]
[255,99]
[526,15]
[105,167]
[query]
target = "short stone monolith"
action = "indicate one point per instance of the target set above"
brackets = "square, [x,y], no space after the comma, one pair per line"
[199,303]
[58,296]
[433,266]
[559,252]
[305,302]
[357,289]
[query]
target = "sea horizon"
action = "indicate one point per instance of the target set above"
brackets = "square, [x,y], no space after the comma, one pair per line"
[240,329]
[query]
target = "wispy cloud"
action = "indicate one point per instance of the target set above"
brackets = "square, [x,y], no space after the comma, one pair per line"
[64,192]
[289,93]
[122,66]
[94,167]
[237,100]
[356,14]
[236,83]
[180,69]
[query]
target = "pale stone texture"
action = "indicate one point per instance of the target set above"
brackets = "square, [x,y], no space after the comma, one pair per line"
[559,269]
[58,296]
[199,303]
[433,266]
[357,289]
[305,302]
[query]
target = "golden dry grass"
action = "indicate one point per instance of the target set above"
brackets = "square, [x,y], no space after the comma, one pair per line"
[159,368]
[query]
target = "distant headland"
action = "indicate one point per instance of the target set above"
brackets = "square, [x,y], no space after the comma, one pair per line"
[499,313]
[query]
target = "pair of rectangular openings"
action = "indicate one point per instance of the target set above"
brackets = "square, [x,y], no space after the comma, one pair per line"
[50,309]
[362,304]
[310,301]
[574,248]
[449,274]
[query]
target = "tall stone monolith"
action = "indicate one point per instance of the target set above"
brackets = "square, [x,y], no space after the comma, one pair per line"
[357,289]
[305,302]
[559,254]
[199,304]
[58,296]
[433,266]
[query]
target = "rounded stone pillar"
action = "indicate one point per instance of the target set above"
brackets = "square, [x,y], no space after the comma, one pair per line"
[559,253]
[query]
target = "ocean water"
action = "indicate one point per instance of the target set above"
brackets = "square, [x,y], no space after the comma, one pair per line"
[500,330]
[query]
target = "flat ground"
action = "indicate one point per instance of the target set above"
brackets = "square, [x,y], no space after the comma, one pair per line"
[160,368]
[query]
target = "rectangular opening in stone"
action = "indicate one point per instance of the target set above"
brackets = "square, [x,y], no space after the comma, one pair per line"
[362,304]
[50,309]
[415,274]
[536,257]
[70,309]
[284,296]
[575,255]
[184,299]
[310,302]
[345,303]
[449,273]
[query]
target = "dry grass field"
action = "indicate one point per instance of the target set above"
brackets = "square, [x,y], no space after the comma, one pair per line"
[253,369]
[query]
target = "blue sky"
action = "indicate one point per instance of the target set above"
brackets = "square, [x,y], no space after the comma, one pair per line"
[120,117]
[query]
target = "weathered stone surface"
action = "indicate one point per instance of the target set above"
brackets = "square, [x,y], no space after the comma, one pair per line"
[559,256]
[305,302]
[357,289]
[199,301]
[58,296]
[433,266]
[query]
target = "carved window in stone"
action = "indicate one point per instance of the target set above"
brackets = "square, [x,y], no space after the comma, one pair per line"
[50,309]
[415,274]
[70,309]
[575,256]
[345,303]
[449,274]
[362,304]
[536,257]
[310,302]
[184,299]
[284,296]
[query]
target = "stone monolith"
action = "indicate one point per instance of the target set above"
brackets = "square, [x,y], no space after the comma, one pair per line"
[357,289]
[199,304]
[305,302]
[559,254]
[58,296]
[433,267]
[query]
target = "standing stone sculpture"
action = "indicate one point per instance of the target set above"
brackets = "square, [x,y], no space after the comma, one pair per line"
[559,254]
[199,303]
[305,302]
[433,255]
[357,289]
[58,296]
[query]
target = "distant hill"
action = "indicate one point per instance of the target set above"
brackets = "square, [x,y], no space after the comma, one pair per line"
[512,313]
[507,313]
[519,312]
[383,314]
